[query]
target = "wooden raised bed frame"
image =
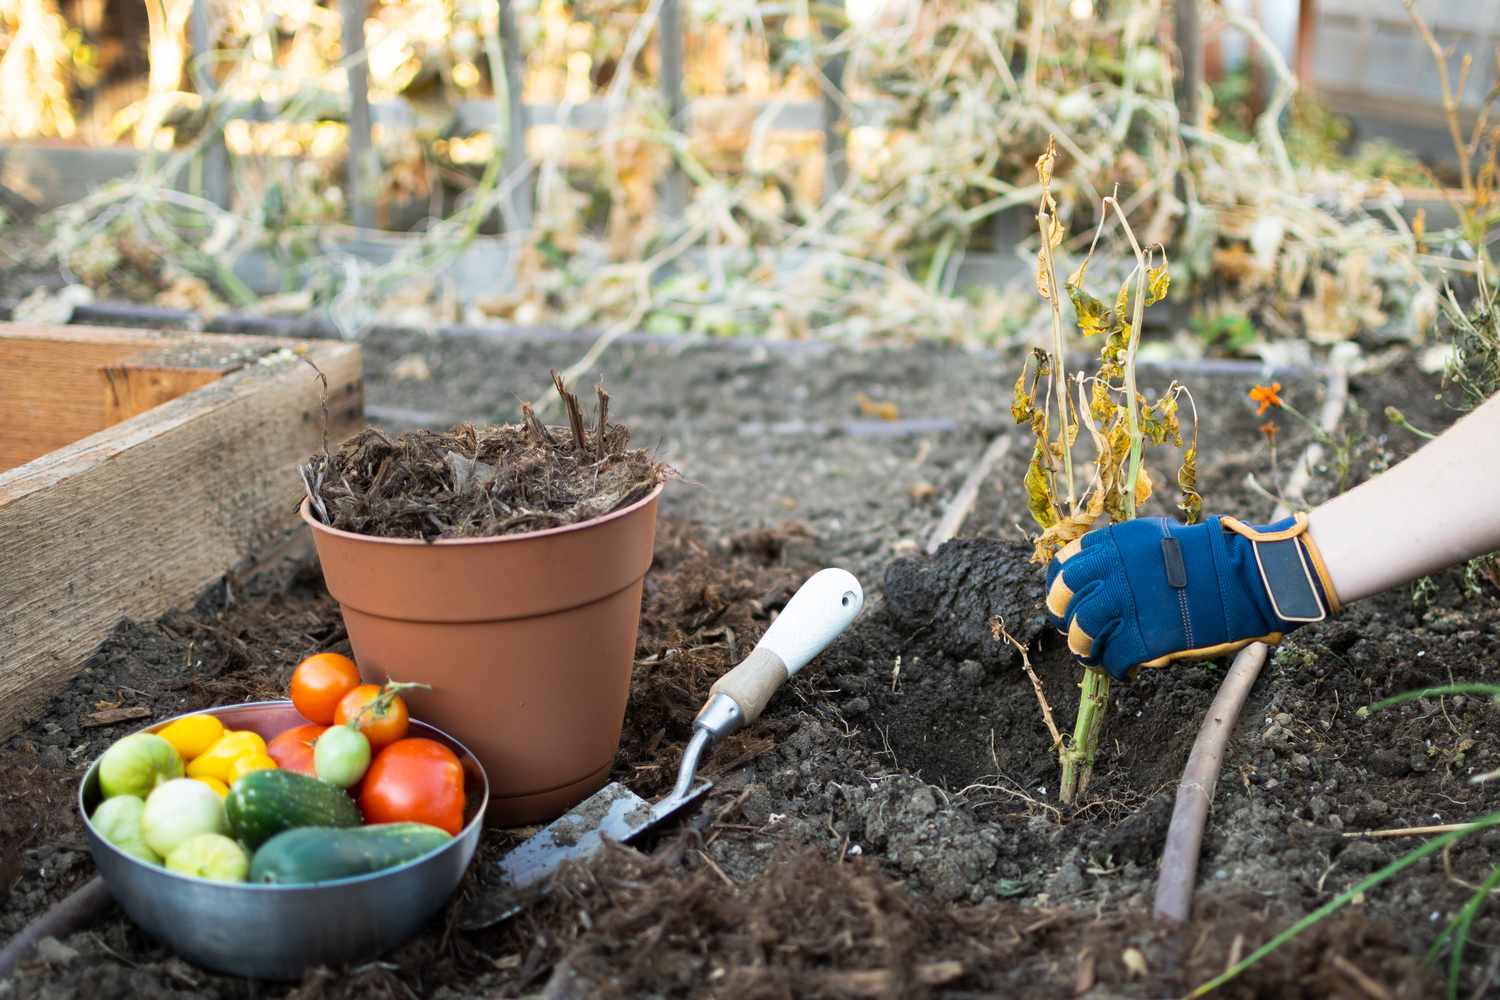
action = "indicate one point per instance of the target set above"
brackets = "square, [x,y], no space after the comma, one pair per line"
[136,469]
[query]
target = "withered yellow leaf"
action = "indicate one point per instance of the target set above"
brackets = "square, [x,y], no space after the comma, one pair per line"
[1122,301]
[1039,489]
[1157,283]
[1022,404]
[1142,486]
[1061,533]
[1187,481]
[1045,162]
[1093,316]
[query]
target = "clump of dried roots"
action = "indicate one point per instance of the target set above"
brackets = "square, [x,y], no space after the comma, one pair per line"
[472,482]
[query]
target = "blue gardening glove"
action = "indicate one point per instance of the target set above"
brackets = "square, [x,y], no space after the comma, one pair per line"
[1152,591]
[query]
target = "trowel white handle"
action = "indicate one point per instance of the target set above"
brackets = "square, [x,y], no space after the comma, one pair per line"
[819,610]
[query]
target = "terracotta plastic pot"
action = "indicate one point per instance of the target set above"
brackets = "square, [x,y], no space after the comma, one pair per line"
[526,640]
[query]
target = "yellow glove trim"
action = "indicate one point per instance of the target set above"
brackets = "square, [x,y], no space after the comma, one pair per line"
[1059,594]
[1079,641]
[1211,652]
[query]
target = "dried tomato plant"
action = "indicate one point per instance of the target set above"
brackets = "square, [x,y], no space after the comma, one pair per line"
[1119,419]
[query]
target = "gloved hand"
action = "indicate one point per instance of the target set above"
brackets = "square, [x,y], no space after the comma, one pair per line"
[1152,591]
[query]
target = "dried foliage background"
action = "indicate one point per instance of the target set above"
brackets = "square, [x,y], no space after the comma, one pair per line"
[970,92]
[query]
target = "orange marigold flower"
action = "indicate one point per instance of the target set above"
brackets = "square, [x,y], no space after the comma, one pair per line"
[1269,430]
[1266,396]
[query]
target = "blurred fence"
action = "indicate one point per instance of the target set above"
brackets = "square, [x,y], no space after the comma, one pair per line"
[1371,65]
[830,115]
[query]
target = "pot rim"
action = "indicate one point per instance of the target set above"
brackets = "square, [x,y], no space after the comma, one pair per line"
[305,510]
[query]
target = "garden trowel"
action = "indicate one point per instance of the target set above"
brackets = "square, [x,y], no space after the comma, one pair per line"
[820,609]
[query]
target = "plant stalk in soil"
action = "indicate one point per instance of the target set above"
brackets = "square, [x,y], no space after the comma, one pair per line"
[1077,756]
[1120,429]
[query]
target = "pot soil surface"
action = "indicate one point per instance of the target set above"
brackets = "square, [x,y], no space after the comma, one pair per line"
[890,827]
[479,482]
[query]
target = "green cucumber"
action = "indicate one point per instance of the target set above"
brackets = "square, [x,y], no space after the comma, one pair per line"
[263,803]
[320,853]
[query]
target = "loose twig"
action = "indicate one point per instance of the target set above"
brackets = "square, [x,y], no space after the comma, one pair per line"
[998,630]
[1409,831]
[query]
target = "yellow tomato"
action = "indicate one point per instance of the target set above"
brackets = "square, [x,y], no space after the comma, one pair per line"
[250,762]
[217,760]
[255,740]
[193,735]
[220,789]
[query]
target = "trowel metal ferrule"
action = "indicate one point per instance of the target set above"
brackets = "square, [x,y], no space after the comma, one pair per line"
[718,718]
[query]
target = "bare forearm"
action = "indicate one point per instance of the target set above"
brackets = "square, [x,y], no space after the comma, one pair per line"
[1439,507]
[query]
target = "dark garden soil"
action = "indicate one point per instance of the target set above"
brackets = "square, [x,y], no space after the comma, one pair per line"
[890,827]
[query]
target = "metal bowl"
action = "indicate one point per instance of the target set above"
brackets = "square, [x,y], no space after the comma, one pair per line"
[279,931]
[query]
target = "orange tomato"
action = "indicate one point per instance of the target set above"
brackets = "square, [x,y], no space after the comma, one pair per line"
[416,780]
[384,720]
[292,750]
[319,682]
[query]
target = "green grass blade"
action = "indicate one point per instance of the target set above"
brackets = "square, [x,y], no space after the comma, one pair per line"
[1493,690]
[1342,899]
[1461,933]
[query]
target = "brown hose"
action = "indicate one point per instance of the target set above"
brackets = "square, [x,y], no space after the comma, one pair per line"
[73,912]
[1179,859]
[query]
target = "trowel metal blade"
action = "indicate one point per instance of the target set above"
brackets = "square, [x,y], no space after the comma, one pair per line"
[613,812]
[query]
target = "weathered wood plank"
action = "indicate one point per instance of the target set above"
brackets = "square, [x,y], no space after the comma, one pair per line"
[143,516]
[59,384]
[134,388]
[51,394]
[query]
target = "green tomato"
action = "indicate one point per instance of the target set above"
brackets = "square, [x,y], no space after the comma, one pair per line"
[212,856]
[178,811]
[118,820]
[135,764]
[341,756]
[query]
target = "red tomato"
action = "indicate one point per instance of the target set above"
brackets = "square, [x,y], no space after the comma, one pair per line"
[292,750]
[383,722]
[415,781]
[319,682]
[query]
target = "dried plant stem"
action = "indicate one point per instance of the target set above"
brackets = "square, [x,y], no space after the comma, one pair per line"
[998,630]
[1045,223]
[1450,97]
[1132,410]
[1034,46]
[574,412]
[1267,123]
[601,425]
[1409,831]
